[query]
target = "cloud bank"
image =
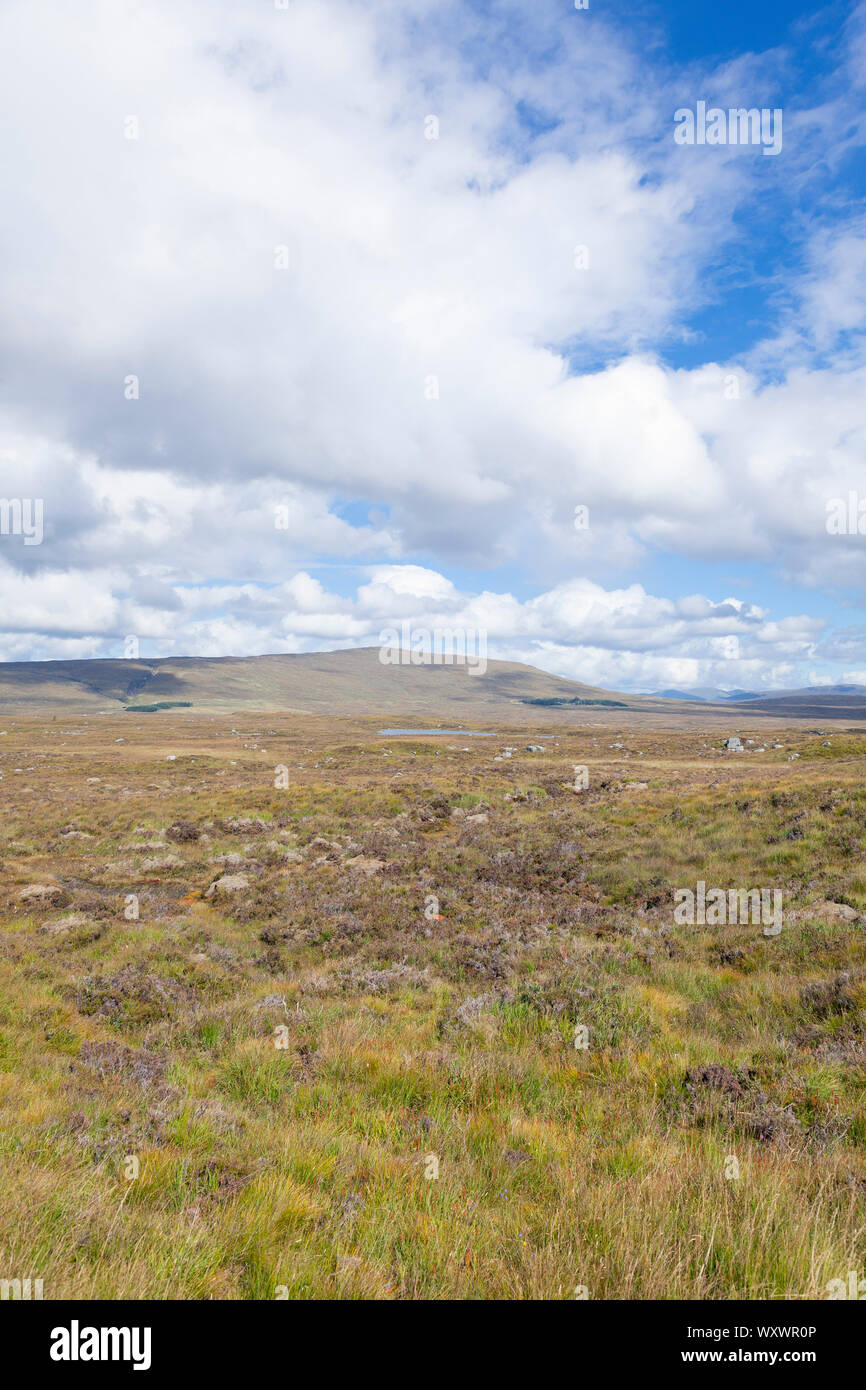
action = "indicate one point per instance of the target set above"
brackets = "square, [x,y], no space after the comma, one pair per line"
[326,317]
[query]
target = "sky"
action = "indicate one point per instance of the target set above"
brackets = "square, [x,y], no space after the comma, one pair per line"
[324,316]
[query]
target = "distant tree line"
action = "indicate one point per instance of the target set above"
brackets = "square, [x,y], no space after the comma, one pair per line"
[573,700]
[161,704]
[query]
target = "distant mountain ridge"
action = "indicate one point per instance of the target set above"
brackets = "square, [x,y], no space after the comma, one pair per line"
[807,702]
[712,695]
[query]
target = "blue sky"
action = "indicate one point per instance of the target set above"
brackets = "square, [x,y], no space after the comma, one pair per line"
[715,31]
[399,289]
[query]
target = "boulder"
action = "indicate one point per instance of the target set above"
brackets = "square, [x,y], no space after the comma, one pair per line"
[365,866]
[839,912]
[61,925]
[43,895]
[227,885]
[166,861]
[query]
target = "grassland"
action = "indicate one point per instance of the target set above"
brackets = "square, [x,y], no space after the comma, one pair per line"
[237,1091]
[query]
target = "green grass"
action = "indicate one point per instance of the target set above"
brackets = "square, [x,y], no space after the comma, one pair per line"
[413,1035]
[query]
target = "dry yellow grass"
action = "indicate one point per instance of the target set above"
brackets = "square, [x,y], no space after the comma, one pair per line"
[282,1063]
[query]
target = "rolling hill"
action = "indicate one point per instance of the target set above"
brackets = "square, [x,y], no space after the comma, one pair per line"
[351,682]
[355,683]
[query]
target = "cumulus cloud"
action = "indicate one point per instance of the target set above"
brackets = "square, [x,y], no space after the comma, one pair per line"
[282,335]
[623,637]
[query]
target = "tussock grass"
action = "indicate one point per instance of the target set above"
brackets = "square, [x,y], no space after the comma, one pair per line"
[284,1062]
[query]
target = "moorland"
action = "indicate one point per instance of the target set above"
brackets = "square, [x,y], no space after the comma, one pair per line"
[289,1009]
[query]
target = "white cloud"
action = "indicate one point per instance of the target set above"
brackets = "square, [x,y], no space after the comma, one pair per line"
[623,637]
[409,259]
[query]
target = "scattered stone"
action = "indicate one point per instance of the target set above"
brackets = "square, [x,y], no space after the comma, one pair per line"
[43,895]
[168,861]
[326,849]
[228,884]
[841,912]
[61,925]
[231,861]
[239,823]
[282,852]
[368,867]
